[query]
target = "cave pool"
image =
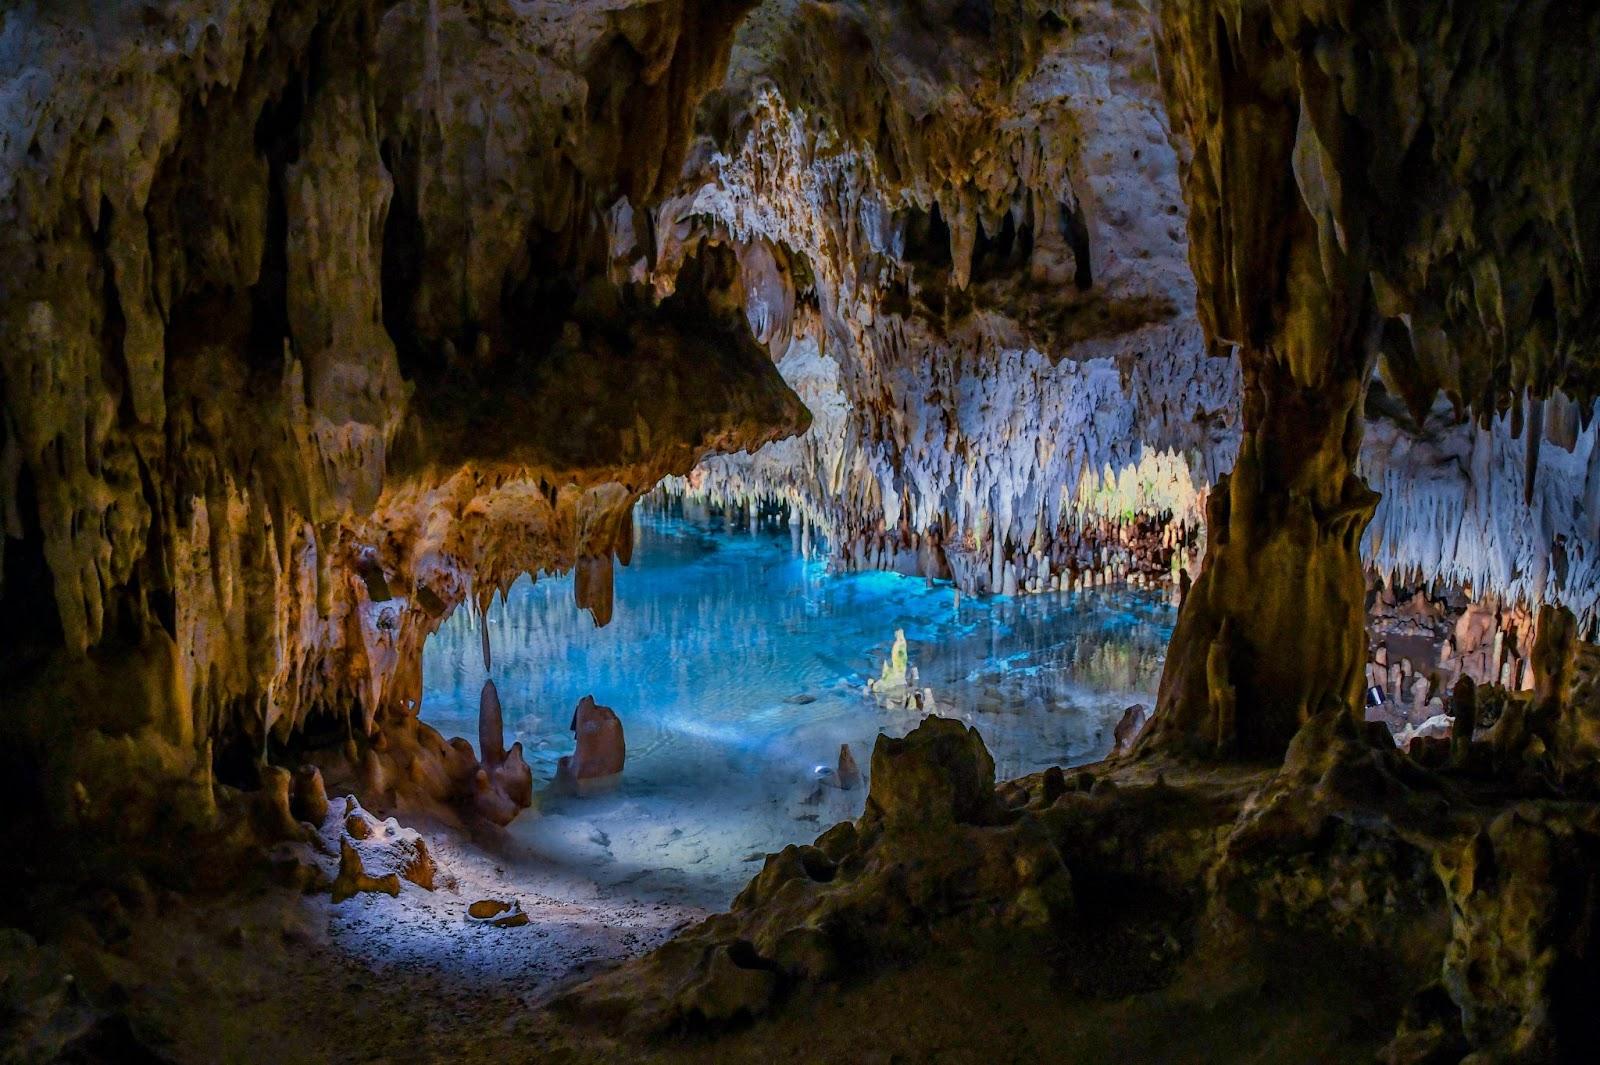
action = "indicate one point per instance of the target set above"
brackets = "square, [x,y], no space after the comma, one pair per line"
[738,666]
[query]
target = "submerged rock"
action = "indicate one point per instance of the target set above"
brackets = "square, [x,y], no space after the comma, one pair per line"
[596,765]
[1129,727]
[849,774]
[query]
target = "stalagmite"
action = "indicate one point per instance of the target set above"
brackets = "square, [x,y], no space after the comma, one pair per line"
[892,679]
[596,765]
[1128,727]
[491,728]
[849,774]
[502,785]
[309,799]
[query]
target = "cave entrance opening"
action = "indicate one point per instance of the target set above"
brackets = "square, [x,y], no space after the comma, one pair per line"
[738,667]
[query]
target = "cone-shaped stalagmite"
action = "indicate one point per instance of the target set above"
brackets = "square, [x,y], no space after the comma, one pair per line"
[849,771]
[491,726]
[503,784]
[601,750]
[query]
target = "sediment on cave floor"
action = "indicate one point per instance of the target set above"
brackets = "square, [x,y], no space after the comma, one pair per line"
[684,530]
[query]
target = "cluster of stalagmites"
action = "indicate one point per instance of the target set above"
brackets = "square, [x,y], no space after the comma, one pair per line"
[335,846]
[406,766]
[1423,642]
[1144,550]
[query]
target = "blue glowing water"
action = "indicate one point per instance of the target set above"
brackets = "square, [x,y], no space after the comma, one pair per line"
[738,666]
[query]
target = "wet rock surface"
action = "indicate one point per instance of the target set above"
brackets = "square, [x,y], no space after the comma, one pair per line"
[602,751]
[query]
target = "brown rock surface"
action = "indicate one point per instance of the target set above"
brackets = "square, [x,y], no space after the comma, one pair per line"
[280,345]
[597,763]
[933,847]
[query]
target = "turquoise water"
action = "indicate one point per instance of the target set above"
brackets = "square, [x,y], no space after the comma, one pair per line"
[738,667]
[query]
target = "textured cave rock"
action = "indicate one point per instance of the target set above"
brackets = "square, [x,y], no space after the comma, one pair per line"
[306,310]
[919,248]
[1329,195]
[1436,916]
[324,319]
[902,262]
[857,897]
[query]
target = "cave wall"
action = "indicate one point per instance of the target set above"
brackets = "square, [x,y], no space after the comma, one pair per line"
[1360,187]
[308,340]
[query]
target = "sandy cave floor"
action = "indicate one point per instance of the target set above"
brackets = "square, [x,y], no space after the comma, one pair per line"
[277,976]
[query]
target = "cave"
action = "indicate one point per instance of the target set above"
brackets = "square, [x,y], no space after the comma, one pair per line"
[867,530]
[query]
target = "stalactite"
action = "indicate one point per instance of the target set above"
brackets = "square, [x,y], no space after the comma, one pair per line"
[251,324]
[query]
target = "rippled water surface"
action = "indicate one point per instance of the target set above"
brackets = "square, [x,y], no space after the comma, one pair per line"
[738,667]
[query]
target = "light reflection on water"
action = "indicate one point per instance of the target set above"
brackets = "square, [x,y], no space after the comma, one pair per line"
[736,666]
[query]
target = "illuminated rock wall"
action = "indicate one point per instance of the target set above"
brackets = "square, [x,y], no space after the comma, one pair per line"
[305,340]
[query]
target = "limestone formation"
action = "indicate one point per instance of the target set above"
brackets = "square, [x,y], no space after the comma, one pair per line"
[820,913]
[596,765]
[354,879]
[497,913]
[260,286]
[373,855]
[310,797]
[503,783]
[1128,727]
[849,774]
[323,319]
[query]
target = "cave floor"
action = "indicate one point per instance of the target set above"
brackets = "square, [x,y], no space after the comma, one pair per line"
[1262,1003]
[275,976]
[271,978]
[278,976]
